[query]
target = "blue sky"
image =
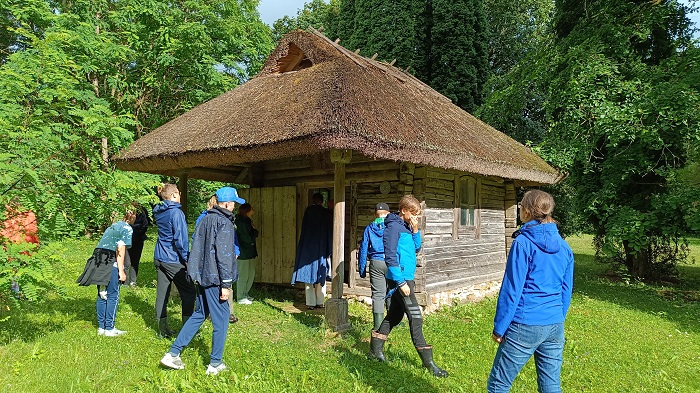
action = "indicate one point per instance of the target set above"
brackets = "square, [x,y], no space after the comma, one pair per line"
[271,10]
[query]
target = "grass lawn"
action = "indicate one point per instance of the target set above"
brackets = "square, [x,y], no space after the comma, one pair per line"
[620,338]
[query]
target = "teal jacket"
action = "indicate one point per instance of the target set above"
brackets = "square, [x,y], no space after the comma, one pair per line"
[400,248]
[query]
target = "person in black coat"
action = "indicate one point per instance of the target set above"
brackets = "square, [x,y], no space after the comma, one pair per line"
[140,226]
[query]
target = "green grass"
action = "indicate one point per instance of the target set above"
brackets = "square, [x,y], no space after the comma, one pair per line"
[620,338]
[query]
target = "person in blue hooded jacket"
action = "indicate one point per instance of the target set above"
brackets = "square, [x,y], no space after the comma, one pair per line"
[402,240]
[213,268]
[170,257]
[534,299]
[372,248]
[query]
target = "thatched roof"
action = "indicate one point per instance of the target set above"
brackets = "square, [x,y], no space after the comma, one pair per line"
[314,95]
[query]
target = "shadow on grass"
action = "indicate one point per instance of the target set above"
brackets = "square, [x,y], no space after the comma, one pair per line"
[31,319]
[381,376]
[590,279]
[280,298]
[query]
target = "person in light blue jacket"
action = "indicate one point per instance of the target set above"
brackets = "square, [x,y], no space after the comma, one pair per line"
[372,248]
[170,257]
[534,299]
[402,240]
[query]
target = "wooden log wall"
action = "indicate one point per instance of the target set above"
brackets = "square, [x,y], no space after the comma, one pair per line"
[452,258]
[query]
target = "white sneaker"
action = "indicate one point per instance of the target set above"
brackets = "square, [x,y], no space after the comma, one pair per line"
[100,332]
[114,332]
[211,370]
[245,301]
[103,295]
[173,362]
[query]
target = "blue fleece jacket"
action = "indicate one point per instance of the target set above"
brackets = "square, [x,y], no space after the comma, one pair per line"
[372,244]
[172,245]
[538,280]
[400,248]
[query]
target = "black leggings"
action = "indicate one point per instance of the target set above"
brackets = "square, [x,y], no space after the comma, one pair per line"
[401,305]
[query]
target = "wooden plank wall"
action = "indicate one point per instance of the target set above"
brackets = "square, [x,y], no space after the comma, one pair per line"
[275,217]
[452,260]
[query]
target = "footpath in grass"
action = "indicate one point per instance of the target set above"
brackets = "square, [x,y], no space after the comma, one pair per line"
[621,337]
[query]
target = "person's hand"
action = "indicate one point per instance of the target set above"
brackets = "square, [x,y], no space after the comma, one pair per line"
[122,275]
[414,223]
[405,289]
[224,294]
[497,338]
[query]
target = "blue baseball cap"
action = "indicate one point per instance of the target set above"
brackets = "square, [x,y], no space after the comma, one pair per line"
[228,194]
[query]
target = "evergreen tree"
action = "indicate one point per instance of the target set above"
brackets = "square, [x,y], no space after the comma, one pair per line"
[458,51]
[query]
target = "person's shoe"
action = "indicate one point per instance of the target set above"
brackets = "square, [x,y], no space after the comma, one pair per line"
[232,319]
[173,362]
[245,301]
[376,346]
[211,370]
[310,307]
[426,355]
[114,332]
[100,332]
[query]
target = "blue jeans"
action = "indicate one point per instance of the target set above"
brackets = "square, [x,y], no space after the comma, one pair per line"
[520,342]
[107,309]
[208,303]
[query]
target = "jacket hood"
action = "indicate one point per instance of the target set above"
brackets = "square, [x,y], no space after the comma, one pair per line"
[545,236]
[394,218]
[165,205]
[377,226]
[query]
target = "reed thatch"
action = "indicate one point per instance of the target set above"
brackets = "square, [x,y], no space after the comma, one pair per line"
[313,95]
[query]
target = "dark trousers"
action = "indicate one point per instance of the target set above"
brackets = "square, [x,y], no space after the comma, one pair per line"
[407,305]
[377,281]
[167,274]
[135,256]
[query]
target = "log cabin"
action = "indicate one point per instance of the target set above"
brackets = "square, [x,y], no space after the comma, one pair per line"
[321,118]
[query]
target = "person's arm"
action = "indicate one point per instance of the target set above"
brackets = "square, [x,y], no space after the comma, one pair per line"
[362,257]
[121,252]
[568,284]
[225,253]
[391,258]
[243,232]
[180,238]
[511,288]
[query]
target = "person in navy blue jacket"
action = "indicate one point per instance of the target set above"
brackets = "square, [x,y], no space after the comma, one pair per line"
[170,257]
[402,240]
[372,248]
[534,299]
[213,268]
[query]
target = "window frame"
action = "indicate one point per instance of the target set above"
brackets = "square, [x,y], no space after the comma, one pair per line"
[462,231]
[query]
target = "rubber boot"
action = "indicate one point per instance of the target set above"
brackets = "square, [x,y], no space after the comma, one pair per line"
[163,329]
[378,317]
[426,355]
[376,346]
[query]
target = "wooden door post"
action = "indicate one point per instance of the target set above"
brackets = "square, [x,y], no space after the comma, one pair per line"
[337,306]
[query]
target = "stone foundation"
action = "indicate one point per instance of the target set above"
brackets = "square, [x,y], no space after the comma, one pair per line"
[469,294]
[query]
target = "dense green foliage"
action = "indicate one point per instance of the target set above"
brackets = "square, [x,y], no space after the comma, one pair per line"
[80,80]
[612,98]
[316,13]
[621,337]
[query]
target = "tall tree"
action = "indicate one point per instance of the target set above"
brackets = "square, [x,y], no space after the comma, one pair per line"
[81,79]
[458,51]
[316,13]
[621,98]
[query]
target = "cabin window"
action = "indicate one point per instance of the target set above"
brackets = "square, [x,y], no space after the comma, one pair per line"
[467,209]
